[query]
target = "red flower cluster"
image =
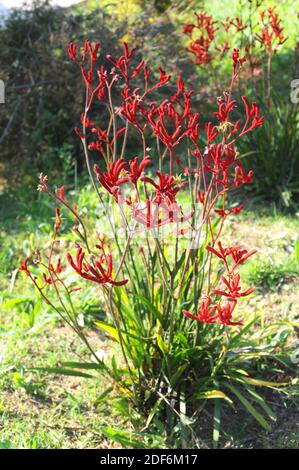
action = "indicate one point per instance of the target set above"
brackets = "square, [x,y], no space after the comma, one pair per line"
[118,174]
[155,215]
[48,278]
[113,178]
[206,30]
[167,187]
[89,52]
[171,121]
[24,266]
[200,47]
[214,311]
[204,45]
[215,169]
[272,34]
[211,312]
[98,270]
[237,60]
[122,63]
[160,117]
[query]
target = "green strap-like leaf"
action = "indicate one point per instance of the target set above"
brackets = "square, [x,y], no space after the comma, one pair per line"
[162,345]
[82,365]
[262,403]
[213,394]
[264,383]
[109,329]
[260,419]
[61,371]
[216,423]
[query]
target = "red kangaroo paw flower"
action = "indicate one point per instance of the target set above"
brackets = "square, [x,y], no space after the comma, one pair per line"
[72,51]
[233,287]
[224,213]
[60,193]
[112,179]
[225,313]
[166,188]
[180,89]
[211,131]
[138,69]
[100,273]
[239,25]
[241,177]
[137,168]
[237,60]
[222,253]
[188,28]
[23,266]
[205,314]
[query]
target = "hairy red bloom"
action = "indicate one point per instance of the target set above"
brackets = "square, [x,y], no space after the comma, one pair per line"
[226,212]
[92,51]
[222,253]
[166,188]
[238,254]
[132,109]
[72,51]
[211,131]
[99,270]
[150,215]
[23,266]
[225,106]
[239,25]
[210,312]
[154,215]
[169,125]
[112,179]
[223,49]
[240,175]
[136,168]
[227,24]
[232,283]
[188,28]
[271,35]
[220,160]
[88,51]
[205,314]
[253,114]
[225,313]
[231,289]
[180,89]
[200,46]
[123,62]
[200,49]
[58,268]
[237,60]
[164,78]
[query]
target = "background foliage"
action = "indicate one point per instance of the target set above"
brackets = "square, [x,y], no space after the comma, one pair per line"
[43,96]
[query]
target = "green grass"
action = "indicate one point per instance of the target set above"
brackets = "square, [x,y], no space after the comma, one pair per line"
[271,276]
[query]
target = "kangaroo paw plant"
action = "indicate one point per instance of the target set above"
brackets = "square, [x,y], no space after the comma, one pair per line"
[153,251]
